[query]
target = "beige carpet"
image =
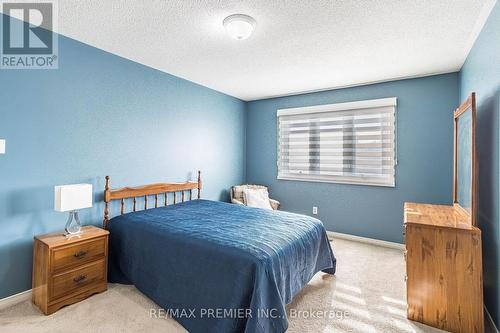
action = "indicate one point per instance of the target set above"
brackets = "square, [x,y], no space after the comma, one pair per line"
[366,295]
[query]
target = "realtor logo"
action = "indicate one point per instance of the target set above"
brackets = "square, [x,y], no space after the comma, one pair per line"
[28,41]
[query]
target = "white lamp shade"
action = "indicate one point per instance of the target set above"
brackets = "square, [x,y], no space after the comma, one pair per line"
[72,197]
[2,146]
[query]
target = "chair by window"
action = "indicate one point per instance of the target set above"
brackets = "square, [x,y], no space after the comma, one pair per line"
[237,195]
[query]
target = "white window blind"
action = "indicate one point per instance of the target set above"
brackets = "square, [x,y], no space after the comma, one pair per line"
[351,143]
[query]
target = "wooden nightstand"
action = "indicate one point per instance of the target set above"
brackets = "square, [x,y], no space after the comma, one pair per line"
[67,270]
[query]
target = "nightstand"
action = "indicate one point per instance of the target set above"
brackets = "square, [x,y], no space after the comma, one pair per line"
[67,270]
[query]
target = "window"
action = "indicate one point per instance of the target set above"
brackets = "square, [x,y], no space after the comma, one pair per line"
[350,143]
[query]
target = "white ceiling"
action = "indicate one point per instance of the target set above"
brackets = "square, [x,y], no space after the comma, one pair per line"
[298,45]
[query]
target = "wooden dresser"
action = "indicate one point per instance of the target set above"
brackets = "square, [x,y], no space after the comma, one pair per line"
[444,268]
[67,270]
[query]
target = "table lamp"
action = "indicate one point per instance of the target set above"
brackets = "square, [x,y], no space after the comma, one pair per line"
[69,198]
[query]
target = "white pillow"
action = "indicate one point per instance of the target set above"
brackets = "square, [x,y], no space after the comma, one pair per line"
[258,198]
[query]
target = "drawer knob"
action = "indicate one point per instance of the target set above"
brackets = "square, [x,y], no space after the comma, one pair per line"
[80,254]
[80,278]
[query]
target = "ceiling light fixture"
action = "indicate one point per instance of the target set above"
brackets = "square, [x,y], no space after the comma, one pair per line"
[239,26]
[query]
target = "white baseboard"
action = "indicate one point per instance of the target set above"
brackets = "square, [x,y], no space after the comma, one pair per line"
[14,299]
[372,241]
[490,320]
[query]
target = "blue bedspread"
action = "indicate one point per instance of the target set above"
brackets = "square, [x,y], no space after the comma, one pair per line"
[219,267]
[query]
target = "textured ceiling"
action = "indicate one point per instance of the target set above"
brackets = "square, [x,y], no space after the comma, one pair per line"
[297,46]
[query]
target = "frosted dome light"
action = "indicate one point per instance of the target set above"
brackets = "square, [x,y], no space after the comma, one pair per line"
[239,26]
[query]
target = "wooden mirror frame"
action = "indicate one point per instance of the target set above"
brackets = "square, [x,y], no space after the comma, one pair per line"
[469,104]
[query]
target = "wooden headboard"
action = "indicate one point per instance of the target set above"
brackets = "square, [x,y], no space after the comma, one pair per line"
[148,190]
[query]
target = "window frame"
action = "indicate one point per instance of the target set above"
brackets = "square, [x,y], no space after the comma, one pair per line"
[348,106]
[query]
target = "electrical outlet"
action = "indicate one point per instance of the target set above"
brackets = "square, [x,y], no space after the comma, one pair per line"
[315,210]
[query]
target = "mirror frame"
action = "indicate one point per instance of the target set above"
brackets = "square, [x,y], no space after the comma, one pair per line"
[469,104]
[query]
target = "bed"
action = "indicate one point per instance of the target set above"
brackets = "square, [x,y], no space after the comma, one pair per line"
[214,266]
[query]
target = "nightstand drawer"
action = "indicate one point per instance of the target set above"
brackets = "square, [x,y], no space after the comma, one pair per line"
[78,279]
[67,257]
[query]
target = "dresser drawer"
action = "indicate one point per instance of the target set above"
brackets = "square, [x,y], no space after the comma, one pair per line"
[67,257]
[79,279]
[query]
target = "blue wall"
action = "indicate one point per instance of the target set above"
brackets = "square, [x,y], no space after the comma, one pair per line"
[481,73]
[425,153]
[98,115]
